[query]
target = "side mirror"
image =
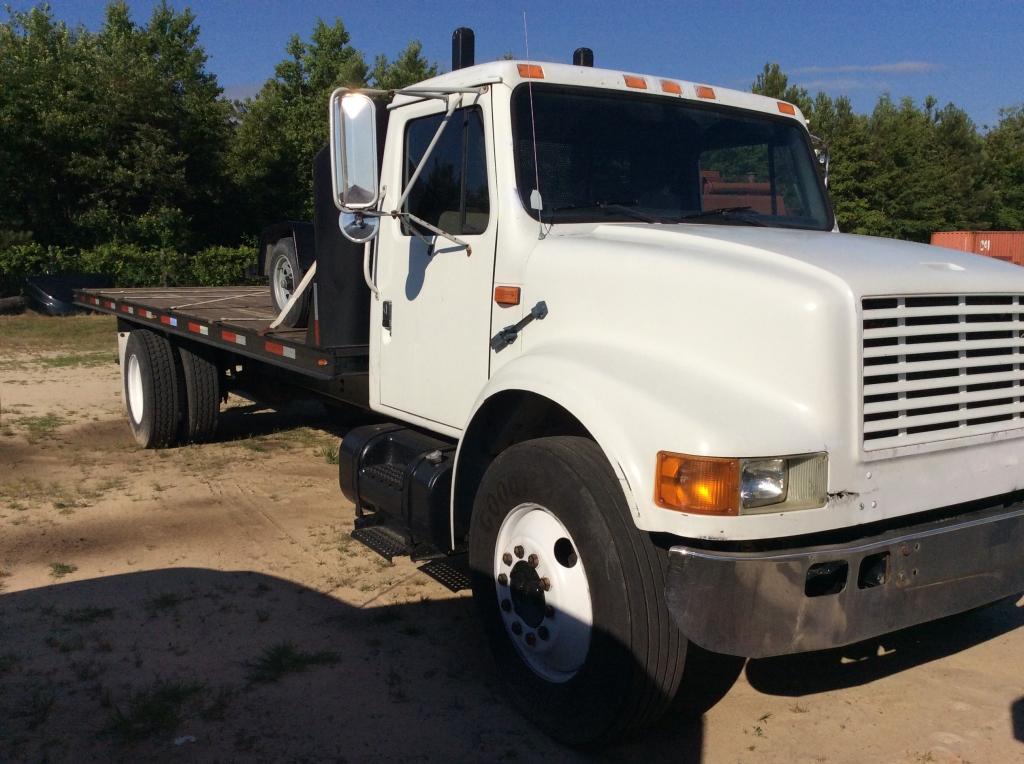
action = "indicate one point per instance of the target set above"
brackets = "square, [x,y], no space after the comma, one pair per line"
[353,119]
[821,153]
[358,228]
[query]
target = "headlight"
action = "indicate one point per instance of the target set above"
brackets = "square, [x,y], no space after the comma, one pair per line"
[763,482]
[706,485]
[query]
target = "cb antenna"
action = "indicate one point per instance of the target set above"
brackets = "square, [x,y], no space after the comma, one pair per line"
[536,202]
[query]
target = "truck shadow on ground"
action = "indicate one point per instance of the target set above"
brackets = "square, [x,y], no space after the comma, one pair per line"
[873,659]
[244,665]
[1017,717]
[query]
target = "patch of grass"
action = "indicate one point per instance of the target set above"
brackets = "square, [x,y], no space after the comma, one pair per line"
[88,614]
[165,601]
[66,641]
[155,710]
[329,453]
[61,569]
[40,427]
[33,332]
[278,660]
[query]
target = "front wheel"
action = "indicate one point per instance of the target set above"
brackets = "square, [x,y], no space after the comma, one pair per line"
[571,593]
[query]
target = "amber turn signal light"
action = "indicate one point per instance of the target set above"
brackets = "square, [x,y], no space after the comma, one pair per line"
[702,485]
[506,296]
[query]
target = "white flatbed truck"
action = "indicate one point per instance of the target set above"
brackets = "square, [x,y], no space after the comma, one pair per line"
[647,416]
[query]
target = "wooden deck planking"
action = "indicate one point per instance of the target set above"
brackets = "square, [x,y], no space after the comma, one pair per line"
[248,308]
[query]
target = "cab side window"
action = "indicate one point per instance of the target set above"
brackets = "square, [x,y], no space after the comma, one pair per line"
[451,191]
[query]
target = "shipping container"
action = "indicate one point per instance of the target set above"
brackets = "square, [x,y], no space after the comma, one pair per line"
[1002,245]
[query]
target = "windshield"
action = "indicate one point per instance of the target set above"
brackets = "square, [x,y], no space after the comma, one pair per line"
[605,155]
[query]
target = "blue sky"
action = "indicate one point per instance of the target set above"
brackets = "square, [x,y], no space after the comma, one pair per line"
[969,53]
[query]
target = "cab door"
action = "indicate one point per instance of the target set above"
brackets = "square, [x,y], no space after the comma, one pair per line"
[434,307]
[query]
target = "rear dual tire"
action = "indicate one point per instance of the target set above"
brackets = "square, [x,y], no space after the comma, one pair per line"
[172,393]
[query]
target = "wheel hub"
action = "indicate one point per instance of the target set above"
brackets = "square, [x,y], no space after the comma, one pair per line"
[543,593]
[527,593]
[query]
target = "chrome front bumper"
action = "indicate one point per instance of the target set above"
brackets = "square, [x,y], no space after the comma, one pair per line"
[759,604]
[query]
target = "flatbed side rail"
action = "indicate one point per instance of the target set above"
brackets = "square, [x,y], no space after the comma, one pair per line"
[320,363]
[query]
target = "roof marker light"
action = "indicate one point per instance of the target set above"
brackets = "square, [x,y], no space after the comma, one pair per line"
[632,81]
[787,108]
[668,86]
[531,71]
[703,91]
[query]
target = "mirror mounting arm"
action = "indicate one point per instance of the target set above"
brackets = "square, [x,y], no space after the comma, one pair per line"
[453,104]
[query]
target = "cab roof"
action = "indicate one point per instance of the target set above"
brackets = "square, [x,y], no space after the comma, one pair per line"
[513,73]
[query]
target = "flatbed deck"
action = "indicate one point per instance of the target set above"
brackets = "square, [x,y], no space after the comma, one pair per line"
[236,319]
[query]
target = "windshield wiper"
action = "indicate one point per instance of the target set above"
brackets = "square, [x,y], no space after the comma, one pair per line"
[626,207]
[725,213]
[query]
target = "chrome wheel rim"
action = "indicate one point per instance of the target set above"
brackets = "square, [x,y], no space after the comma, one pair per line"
[283,280]
[543,592]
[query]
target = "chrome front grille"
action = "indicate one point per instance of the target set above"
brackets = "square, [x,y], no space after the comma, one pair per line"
[941,367]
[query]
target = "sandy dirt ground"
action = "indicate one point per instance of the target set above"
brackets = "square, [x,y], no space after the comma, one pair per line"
[207,604]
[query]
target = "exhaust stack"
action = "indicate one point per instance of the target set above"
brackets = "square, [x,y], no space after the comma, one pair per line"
[463,48]
[583,57]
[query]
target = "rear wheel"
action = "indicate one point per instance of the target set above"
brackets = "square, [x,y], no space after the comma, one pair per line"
[152,389]
[571,593]
[202,396]
[285,273]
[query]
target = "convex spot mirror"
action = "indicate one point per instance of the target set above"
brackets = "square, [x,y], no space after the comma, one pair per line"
[358,228]
[353,118]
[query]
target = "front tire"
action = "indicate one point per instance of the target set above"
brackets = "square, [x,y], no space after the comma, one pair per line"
[609,658]
[152,389]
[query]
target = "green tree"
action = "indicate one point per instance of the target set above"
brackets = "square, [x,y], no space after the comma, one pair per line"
[774,83]
[1004,170]
[409,68]
[117,135]
[285,124]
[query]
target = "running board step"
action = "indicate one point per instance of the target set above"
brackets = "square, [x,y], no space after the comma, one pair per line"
[384,542]
[451,572]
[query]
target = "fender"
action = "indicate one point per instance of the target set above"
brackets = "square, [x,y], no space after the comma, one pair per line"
[635,404]
[300,231]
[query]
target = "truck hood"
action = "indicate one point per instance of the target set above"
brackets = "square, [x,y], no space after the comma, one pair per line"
[868,265]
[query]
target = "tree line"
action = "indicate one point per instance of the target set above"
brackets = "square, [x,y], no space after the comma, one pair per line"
[906,170]
[118,148]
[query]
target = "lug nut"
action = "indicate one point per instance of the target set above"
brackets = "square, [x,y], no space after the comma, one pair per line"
[506,606]
[519,552]
[549,612]
[503,579]
[545,583]
[506,558]
[517,629]
[533,560]
[543,633]
[530,639]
